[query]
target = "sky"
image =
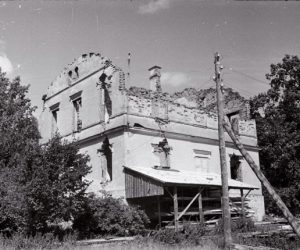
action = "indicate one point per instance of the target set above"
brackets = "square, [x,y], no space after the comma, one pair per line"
[39,38]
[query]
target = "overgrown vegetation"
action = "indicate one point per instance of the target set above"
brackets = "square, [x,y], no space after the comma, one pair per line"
[47,241]
[238,225]
[277,115]
[276,241]
[189,234]
[107,216]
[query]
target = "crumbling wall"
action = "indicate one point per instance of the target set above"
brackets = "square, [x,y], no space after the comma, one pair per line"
[83,78]
[182,109]
[78,69]
[139,106]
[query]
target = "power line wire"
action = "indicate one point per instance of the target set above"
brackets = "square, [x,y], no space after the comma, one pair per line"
[234,87]
[248,76]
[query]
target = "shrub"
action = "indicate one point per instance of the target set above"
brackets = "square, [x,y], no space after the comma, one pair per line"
[275,240]
[190,234]
[238,225]
[106,216]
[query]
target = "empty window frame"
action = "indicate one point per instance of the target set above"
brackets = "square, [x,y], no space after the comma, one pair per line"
[105,100]
[162,150]
[234,120]
[54,118]
[77,106]
[106,160]
[236,167]
[202,160]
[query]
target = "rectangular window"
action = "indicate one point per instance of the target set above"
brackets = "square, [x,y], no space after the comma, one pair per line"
[106,161]
[54,119]
[77,123]
[236,167]
[234,118]
[105,104]
[77,105]
[202,159]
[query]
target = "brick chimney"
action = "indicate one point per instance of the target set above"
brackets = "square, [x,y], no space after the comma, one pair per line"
[155,78]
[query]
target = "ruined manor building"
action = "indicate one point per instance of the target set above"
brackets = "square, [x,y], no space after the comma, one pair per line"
[155,149]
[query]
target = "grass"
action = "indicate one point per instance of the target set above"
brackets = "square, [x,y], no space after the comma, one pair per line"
[48,242]
[190,237]
[145,244]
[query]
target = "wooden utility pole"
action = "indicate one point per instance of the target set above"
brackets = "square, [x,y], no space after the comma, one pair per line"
[222,149]
[287,214]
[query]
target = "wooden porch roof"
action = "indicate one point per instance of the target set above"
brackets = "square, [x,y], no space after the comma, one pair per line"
[148,181]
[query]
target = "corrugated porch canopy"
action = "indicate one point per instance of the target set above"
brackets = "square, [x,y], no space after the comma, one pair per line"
[146,181]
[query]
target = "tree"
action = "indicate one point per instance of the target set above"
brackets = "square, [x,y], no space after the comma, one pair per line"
[57,189]
[19,142]
[277,115]
[40,185]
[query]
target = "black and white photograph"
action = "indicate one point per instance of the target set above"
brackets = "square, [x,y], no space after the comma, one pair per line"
[150,124]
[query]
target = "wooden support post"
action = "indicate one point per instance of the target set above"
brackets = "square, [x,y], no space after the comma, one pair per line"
[286,212]
[159,212]
[175,200]
[243,203]
[200,206]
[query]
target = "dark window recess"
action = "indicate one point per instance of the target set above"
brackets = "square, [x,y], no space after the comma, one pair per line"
[54,114]
[234,120]
[235,168]
[233,115]
[108,102]
[102,78]
[76,71]
[106,153]
[77,108]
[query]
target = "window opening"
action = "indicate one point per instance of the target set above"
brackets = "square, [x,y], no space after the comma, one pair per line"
[106,103]
[235,167]
[234,121]
[77,108]
[54,119]
[106,160]
[163,151]
[54,115]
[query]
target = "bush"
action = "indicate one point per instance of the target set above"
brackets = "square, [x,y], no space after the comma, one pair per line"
[108,216]
[189,234]
[238,225]
[275,240]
